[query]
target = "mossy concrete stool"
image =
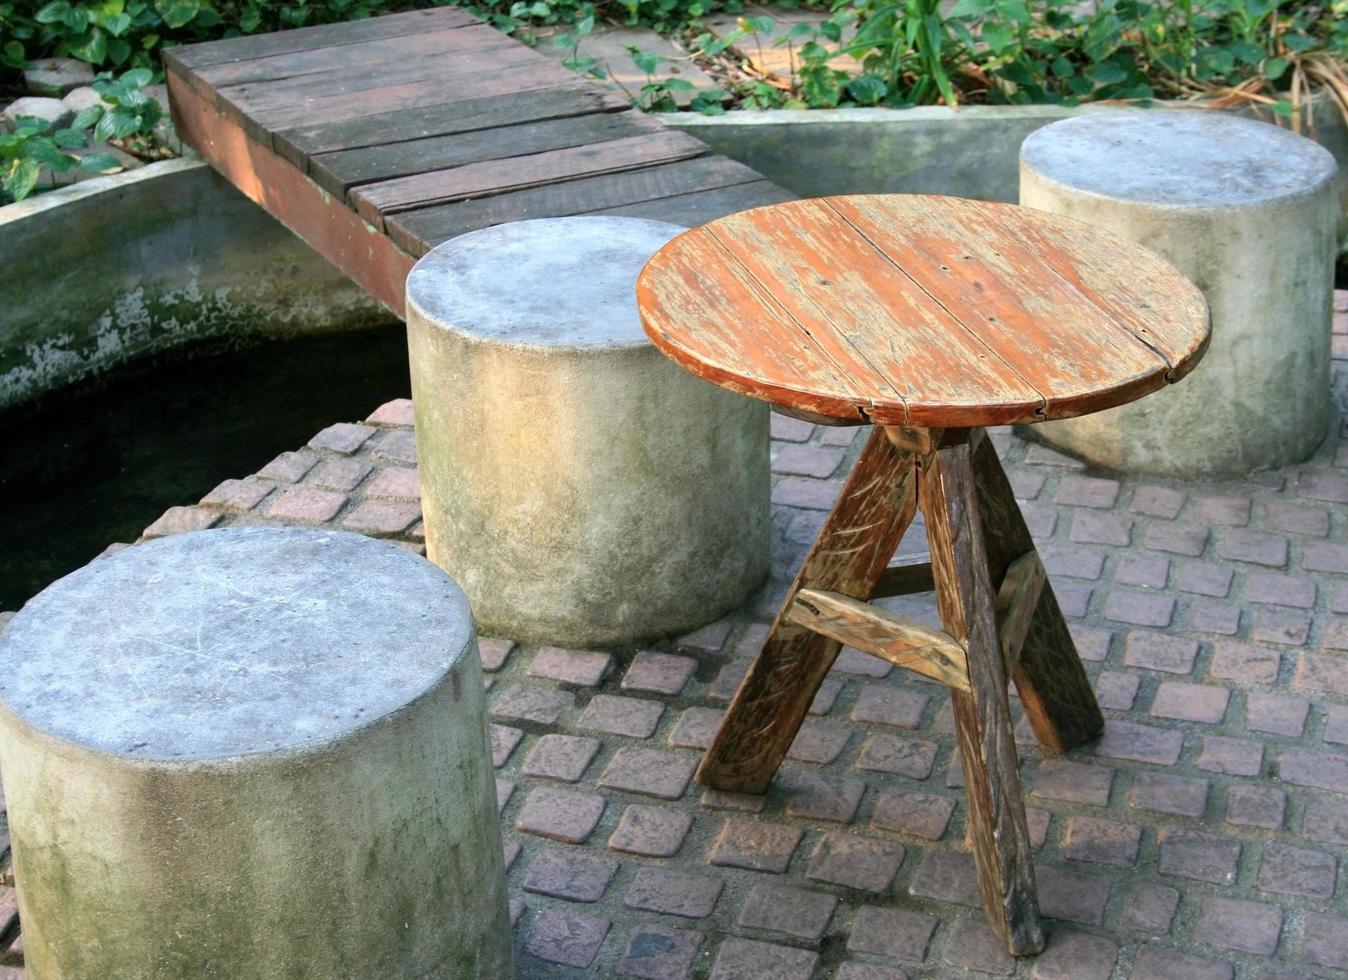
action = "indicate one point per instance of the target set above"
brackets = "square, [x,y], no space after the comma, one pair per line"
[252,752]
[1247,212]
[579,486]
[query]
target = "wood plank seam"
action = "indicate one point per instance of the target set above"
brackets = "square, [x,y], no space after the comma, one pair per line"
[1042,411]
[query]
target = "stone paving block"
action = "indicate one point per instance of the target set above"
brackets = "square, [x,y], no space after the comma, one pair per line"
[716,799]
[1116,690]
[1071,896]
[1089,527]
[792,491]
[1076,956]
[649,772]
[1230,511]
[1140,608]
[818,743]
[852,970]
[745,842]
[899,933]
[1326,941]
[921,815]
[747,959]
[1278,714]
[397,482]
[343,474]
[1336,724]
[1288,870]
[566,937]
[306,504]
[503,742]
[237,496]
[1092,644]
[1143,571]
[1074,598]
[1319,770]
[395,413]
[787,911]
[946,876]
[651,831]
[1139,743]
[1087,491]
[696,728]
[1244,662]
[1255,806]
[529,702]
[1161,963]
[289,467]
[861,863]
[1214,617]
[788,429]
[1322,673]
[1247,927]
[180,520]
[669,892]
[344,437]
[1165,793]
[728,680]
[382,518]
[1253,547]
[802,460]
[1074,562]
[397,445]
[561,757]
[1162,502]
[1203,703]
[1326,820]
[658,673]
[1073,782]
[1177,539]
[1158,651]
[709,638]
[580,668]
[852,661]
[573,875]
[1100,841]
[1202,857]
[505,789]
[1296,519]
[909,757]
[656,952]
[1324,556]
[1233,756]
[1283,628]
[1205,578]
[558,814]
[826,696]
[494,652]
[828,798]
[1280,590]
[972,945]
[896,707]
[1323,486]
[631,717]
[1041,521]
[1150,909]
[1026,486]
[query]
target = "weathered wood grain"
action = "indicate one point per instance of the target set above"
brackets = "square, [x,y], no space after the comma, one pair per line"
[1017,599]
[907,575]
[934,307]
[1054,689]
[875,507]
[997,831]
[375,201]
[336,172]
[901,642]
[330,228]
[699,207]
[418,231]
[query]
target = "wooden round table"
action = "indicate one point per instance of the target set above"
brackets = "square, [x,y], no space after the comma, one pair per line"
[930,317]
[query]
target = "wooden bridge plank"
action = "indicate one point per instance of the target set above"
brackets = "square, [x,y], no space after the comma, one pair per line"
[336,172]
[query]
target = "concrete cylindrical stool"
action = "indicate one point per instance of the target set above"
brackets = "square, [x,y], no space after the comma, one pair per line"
[253,752]
[582,488]
[1247,211]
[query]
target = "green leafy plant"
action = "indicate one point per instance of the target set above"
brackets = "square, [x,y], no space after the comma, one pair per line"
[33,147]
[127,113]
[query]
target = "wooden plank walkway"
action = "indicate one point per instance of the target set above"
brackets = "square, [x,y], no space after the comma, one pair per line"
[378,139]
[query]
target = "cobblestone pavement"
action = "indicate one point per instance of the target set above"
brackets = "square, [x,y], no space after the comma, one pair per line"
[1201,837]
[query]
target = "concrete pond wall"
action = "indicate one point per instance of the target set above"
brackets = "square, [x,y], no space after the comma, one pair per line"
[972,152]
[112,269]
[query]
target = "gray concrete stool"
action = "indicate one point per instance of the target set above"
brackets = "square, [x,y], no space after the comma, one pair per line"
[580,487]
[252,752]
[1247,211]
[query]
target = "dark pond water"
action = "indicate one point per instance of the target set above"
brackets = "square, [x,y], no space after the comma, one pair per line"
[99,465]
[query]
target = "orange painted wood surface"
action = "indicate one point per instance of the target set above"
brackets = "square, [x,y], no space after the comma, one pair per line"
[921,310]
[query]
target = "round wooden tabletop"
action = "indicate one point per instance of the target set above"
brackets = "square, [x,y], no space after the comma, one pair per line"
[920,310]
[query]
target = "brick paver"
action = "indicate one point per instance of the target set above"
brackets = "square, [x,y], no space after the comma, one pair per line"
[1203,836]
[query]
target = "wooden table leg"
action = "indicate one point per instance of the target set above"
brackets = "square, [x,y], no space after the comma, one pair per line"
[964,595]
[1049,676]
[861,534]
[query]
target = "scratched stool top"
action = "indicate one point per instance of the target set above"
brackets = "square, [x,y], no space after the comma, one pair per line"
[920,310]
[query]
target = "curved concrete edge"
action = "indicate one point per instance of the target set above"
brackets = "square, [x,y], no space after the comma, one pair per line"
[971,152]
[116,268]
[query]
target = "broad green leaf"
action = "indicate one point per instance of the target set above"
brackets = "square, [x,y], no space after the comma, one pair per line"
[1274,68]
[970,8]
[177,13]
[99,162]
[91,47]
[867,89]
[71,138]
[52,12]
[21,178]
[1107,73]
[118,51]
